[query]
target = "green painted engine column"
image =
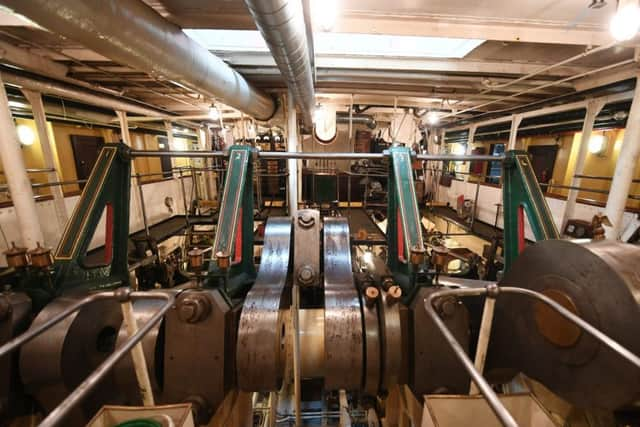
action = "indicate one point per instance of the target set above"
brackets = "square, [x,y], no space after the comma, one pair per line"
[233,244]
[522,195]
[404,230]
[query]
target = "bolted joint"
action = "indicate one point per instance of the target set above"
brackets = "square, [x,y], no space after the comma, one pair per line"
[306,275]
[223,260]
[417,255]
[123,294]
[446,306]
[306,219]
[193,307]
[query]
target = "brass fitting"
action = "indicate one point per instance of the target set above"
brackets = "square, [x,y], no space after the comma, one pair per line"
[41,257]
[16,256]
[196,258]
[417,255]
[223,260]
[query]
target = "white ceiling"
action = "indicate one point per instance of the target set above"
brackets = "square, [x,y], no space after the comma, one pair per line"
[522,36]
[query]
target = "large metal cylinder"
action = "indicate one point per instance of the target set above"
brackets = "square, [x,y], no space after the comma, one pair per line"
[600,283]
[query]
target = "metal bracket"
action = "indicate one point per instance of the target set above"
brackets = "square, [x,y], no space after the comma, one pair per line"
[233,244]
[107,190]
[404,230]
[521,193]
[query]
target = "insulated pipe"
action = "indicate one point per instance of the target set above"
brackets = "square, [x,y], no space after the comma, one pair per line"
[17,178]
[282,25]
[83,95]
[357,119]
[132,33]
[292,147]
[625,167]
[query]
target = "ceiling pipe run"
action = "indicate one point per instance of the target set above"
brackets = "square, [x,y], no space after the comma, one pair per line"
[131,33]
[282,25]
[357,119]
[62,90]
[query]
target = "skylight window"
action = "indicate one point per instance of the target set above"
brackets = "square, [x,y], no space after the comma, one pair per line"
[343,44]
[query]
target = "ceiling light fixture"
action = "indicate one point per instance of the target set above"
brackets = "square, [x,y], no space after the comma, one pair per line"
[26,136]
[433,118]
[324,14]
[597,144]
[214,113]
[626,22]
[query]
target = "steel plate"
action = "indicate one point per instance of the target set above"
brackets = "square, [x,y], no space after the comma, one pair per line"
[344,341]
[262,330]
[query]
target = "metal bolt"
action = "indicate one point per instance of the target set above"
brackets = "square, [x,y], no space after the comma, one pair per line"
[446,306]
[193,308]
[306,219]
[306,275]
[371,294]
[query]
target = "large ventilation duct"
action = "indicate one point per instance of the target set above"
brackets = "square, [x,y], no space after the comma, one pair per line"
[131,33]
[281,23]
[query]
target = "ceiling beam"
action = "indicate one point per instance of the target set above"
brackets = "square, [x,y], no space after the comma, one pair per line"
[487,68]
[472,28]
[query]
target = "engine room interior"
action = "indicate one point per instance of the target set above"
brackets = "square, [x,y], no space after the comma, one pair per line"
[261,213]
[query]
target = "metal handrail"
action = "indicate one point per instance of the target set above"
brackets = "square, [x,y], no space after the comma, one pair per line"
[122,295]
[492,291]
[325,156]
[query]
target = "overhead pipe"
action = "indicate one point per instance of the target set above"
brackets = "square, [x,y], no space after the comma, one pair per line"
[132,33]
[282,25]
[50,87]
[357,119]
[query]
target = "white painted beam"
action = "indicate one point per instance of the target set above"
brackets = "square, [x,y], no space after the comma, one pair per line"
[625,167]
[17,178]
[37,108]
[264,59]
[593,109]
[624,96]
[472,28]
[516,119]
